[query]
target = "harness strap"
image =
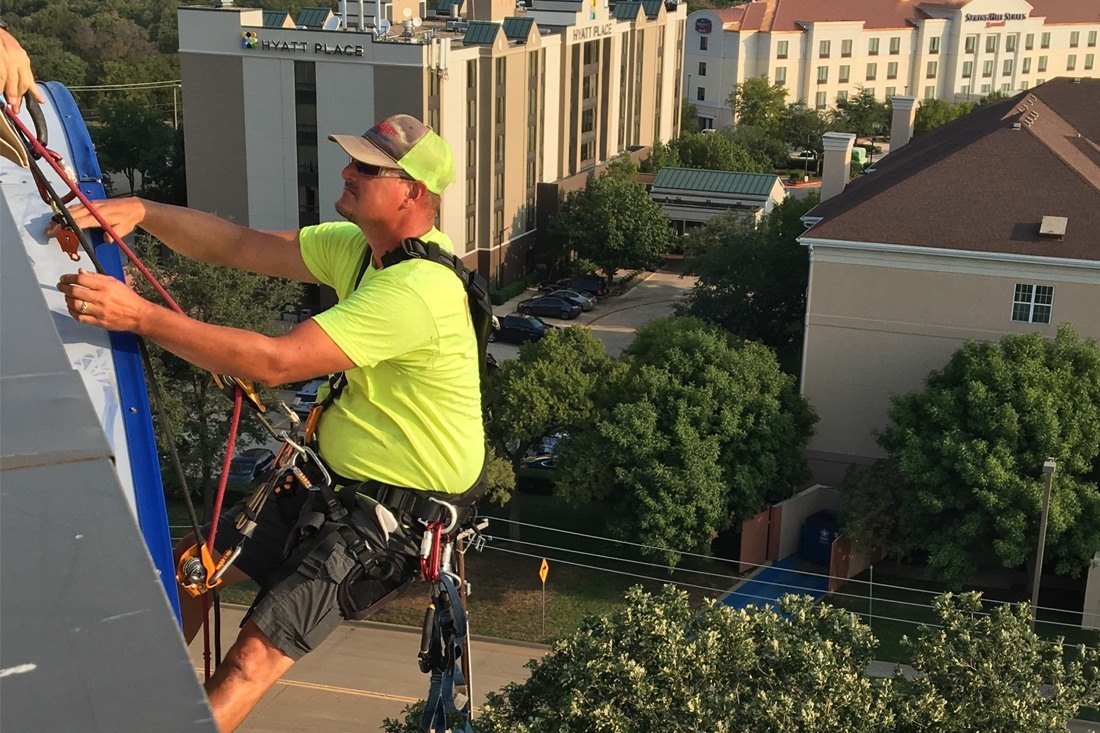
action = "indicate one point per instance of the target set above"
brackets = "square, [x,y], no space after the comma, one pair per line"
[444,661]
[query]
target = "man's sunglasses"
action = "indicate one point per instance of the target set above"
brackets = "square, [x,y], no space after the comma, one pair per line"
[377,171]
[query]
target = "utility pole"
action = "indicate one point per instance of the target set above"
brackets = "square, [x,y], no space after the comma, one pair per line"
[1048,475]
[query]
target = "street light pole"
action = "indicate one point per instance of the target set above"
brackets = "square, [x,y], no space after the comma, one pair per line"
[1048,475]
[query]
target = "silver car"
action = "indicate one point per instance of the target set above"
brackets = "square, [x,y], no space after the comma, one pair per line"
[584,300]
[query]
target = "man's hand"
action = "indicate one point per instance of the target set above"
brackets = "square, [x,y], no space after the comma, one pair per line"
[16,78]
[101,300]
[124,215]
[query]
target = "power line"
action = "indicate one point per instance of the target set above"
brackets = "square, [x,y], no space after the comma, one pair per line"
[122,87]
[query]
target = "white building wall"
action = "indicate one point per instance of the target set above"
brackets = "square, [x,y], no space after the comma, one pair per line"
[268,100]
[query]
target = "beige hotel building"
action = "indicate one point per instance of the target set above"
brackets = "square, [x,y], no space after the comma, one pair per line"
[527,96]
[825,50]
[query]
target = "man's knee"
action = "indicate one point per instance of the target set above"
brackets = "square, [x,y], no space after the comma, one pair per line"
[254,659]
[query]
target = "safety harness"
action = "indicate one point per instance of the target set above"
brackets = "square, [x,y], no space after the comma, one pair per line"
[444,650]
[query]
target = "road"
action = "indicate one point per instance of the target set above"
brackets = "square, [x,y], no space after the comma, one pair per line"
[615,319]
[362,674]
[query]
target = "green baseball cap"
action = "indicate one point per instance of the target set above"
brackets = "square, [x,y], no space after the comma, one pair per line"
[404,142]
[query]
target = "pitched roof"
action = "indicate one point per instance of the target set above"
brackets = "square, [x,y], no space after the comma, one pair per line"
[770,16]
[694,179]
[313,17]
[277,19]
[481,32]
[985,181]
[517,29]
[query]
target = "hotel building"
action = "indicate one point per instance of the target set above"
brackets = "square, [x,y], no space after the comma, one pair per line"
[826,50]
[525,95]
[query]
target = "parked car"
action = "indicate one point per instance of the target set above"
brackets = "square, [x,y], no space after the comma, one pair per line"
[307,395]
[592,284]
[544,305]
[584,300]
[520,329]
[250,465]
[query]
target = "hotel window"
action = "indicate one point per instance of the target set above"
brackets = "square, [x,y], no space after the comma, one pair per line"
[701,94]
[845,70]
[781,49]
[1029,41]
[1023,85]
[471,75]
[500,110]
[895,45]
[1044,40]
[1092,39]
[1071,62]
[588,120]
[1006,87]
[471,190]
[1040,82]
[846,48]
[934,44]
[530,173]
[498,180]
[498,224]
[891,92]
[1088,61]
[471,112]
[532,138]
[1074,39]
[820,100]
[1032,303]
[872,71]
[1026,67]
[471,231]
[500,148]
[471,151]
[1006,69]
[780,75]
[1042,64]
[987,88]
[930,72]
[499,70]
[929,92]
[971,44]
[823,49]
[968,69]
[991,43]
[842,96]
[987,69]
[822,74]
[590,52]
[702,68]
[892,70]
[702,43]
[872,47]
[1010,43]
[588,150]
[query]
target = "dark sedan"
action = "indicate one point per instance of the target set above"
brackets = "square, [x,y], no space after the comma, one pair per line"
[591,284]
[584,300]
[251,465]
[549,306]
[520,329]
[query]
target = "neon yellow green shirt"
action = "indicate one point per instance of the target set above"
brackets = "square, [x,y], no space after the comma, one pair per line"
[411,412]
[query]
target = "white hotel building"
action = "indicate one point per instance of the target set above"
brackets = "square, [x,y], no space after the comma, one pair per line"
[825,50]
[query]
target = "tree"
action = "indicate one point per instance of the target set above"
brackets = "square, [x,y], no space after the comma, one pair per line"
[934,112]
[613,223]
[548,388]
[970,447]
[689,116]
[196,409]
[802,128]
[862,115]
[758,102]
[768,150]
[715,152]
[659,664]
[132,139]
[752,281]
[692,436]
[989,671]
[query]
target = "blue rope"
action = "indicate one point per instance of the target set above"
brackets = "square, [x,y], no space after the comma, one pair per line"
[445,654]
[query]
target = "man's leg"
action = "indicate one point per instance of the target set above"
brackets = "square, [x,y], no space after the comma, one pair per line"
[251,667]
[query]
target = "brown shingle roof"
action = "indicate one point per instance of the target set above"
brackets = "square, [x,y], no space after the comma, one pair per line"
[983,184]
[786,15]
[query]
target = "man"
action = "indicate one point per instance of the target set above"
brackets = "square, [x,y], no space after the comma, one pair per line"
[16,77]
[410,415]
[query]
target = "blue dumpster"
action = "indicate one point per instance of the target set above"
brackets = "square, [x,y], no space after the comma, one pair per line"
[818,533]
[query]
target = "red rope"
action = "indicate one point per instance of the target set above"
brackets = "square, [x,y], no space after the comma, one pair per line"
[52,158]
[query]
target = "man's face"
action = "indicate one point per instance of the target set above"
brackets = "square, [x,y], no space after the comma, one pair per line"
[371,193]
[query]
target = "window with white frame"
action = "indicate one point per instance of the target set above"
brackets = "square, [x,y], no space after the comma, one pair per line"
[820,100]
[1092,39]
[1071,62]
[895,45]
[930,72]
[1074,39]
[1088,61]
[968,69]
[991,43]
[1010,42]
[1025,68]
[892,70]
[1006,69]
[822,74]
[1032,303]
[971,44]
[1029,41]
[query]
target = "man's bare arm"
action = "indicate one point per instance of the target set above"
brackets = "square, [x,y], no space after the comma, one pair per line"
[205,237]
